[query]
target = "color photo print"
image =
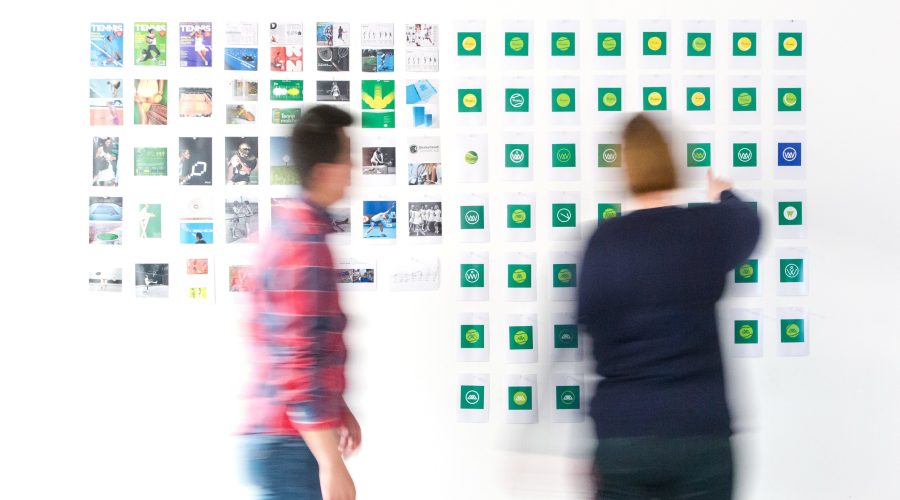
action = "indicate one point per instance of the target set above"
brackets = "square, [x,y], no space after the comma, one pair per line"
[286,51]
[151,102]
[238,278]
[380,219]
[355,274]
[241,220]
[105,220]
[195,102]
[106,161]
[107,107]
[332,34]
[378,60]
[105,280]
[107,40]
[195,161]
[195,40]
[151,280]
[281,166]
[333,91]
[241,161]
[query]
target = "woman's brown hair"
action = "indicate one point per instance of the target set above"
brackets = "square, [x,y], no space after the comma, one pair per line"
[648,161]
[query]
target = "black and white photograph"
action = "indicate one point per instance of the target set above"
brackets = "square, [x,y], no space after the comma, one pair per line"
[333,90]
[151,280]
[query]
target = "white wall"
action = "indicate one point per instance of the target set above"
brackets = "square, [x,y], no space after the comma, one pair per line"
[140,399]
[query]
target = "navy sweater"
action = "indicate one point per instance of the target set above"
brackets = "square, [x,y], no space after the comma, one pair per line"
[647,295]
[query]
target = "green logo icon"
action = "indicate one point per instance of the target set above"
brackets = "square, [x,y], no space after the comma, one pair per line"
[564,215]
[790,213]
[608,211]
[520,397]
[568,397]
[471,217]
[698,99]
[609,155]
[790,44]
[699,44]
[564,276]
[517,156]
[743,154]
[563,100]
[744,44]
[654,98]
[471,397]
[518,216]
[518,276]
[468,43]
[609,44]
[565,336]
[789,99]
[517,100]
[471,157]
[748,272]
[563,155]
[791,270]
[521,337]
[699,154]
[469,101]
[743,99]
[792,331]
[609,99]
[471,336]
[654,43]
[471,275]
[562,44]
[746,332]
[516,44]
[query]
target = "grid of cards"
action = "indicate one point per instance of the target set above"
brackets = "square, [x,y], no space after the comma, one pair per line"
[478,132]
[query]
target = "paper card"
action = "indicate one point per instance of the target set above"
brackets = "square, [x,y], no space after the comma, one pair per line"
[563,279]
[789,108]
[379,219]
[747,156]
[521,277]
[791,214]
[518,158]
[609,45]
[566,344]
[789,36]
[565,45]
[473,276]
[745,100]
[745,281]
[742,331]
[474,392]
[519,214]
[474,225]
[378,161]
[793,271]
[697,45]
[606,158]
[470,45]
[521,399]
[793,331]
[565,157]
[471,108]
[608,99]
[356,274]
[471,156]
[655,97]
[472,336]
[341,224]
[743,39]
[518,101]
[518,45]
[424,166]
[791,157]
[564,100]
[425,219]
[697,155]
[423,104]
[564,215]
[568,397]
[697,101]
[655,39]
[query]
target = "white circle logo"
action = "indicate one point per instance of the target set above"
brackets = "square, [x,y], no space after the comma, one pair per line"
[745,155]
[472,217]
[517,100]
[564,215]
[472,397]
[517,155]
[790,213]
[609,155]
[699,154]
[789,154]
[567,397]
[472,275]
[792,270]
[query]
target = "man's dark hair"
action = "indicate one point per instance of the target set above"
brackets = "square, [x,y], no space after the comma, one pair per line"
[315,138]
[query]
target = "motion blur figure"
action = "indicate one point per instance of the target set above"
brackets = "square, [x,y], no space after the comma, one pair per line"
[647,297]
[300,425]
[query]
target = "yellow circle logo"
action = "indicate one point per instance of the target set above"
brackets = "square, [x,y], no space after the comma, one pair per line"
[470,100]
[609,44]
[472,335]
[469,43]
[293,91]
[521,337]
[792,330]
[654,43]
[744,99]
[744,44]
[609,213]
[520,398]
[746,271]
[563,100]
[699,44]
[789,99]
[519,276]
[746,332]
[519,216]
[516,43]
[654,98]
[564,275]
[563,43]
[610,99]
[698,98]
[789,44]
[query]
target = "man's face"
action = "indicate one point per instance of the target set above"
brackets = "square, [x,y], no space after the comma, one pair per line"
[186,154]
[244,150]
[333,178]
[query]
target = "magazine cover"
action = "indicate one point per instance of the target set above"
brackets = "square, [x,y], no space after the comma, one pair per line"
[241,161]
[106,44]
[150,44]
[286,49]
[196,44]
[195,161]
[107,107]
[106,161]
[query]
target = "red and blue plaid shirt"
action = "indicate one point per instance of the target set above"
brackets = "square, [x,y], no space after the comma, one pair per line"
[297,326]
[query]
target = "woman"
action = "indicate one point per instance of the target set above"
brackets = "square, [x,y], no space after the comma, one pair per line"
[105,171]
[647,297]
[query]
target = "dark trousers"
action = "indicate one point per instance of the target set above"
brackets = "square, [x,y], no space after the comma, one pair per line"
[282,467]
[696,468]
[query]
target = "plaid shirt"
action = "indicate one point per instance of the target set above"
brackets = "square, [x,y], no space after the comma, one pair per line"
[297,326]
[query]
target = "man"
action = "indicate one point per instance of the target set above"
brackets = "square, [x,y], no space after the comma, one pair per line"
[241,165]
[300,425]
[152,51]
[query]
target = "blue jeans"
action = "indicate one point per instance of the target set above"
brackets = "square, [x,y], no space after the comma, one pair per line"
[282,467]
